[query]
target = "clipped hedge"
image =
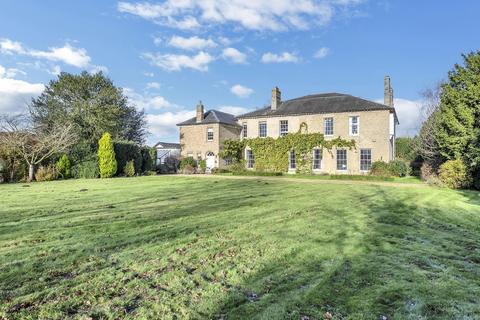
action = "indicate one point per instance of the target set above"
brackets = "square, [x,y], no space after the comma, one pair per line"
[127,151]
[395,168]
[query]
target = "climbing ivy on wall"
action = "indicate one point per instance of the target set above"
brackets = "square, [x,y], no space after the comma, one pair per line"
[271,154]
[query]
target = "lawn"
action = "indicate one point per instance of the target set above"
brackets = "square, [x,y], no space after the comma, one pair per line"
[219,248]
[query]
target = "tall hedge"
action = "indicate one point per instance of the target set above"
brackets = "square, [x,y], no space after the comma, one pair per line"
[106,156]
[128,151]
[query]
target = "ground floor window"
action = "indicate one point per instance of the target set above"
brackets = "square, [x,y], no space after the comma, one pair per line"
[292,163]
[341,159]
[250,158]
[317,158]
[365,159]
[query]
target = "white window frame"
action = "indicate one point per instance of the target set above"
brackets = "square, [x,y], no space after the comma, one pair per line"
[210,131]
[325,126]
[250,162]
[313,159]
[244,130]
[360,159]
[260,123]
[292,156]
[350,125]
[282,125]
[346,159]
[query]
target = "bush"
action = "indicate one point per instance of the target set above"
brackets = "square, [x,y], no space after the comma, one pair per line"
[148,162]
[106,156]
[188,161]
[127,151]
[129,169]
[453,174]
[170,165]
[428,174]
[238,166]
[188,169]
[46,173]
[203,165]
[398,168]
[381,169]
[86,170]
[63,167]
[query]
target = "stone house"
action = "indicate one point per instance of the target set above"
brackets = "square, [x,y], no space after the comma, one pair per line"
[372,125]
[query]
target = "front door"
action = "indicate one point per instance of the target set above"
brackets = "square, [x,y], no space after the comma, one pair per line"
[210,161]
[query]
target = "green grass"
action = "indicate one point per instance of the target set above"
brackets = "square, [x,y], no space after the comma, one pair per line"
[190,248]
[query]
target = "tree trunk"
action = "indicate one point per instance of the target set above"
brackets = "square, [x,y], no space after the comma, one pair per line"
[31,172]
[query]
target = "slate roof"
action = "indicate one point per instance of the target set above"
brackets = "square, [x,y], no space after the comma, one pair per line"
[318,103]
[212,116]
[167,145]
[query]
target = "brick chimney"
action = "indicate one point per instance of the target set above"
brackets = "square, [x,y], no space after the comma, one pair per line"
[199,112]
[387,92]
[276,98]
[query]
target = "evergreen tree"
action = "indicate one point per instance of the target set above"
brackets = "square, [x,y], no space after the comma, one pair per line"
[106,156]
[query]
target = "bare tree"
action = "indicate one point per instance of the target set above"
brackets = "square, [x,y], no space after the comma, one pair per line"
[427,145]
[34,143]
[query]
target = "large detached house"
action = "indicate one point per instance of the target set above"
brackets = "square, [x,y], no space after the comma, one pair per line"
[371,124]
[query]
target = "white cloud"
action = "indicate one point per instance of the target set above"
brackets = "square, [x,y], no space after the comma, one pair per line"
[15,94]
[254,15]
[234,55]
[67,54]
[233,110]
[241,91]
[147,102]
[192,43]
[277,58]
[177,62]
[149,74]
[153,85]
[321,53]
[165,124]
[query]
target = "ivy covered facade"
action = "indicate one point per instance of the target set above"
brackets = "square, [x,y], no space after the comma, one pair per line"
[322,133]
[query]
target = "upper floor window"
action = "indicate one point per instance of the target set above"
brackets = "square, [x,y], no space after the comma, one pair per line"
[292,163]
[210,134]
[317,158]
[244,130]
[341,159]
[262,129]
[283,127]
[328,126]
[354,125]
[250,158]
[365,159]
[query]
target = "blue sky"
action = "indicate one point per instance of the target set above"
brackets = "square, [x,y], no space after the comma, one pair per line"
[167,55]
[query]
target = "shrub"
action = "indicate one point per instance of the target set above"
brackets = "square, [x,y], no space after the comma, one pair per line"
[148,162]
[238,167]
[46,173]
[428,174]
[188,161]
[188,169]
[380,168]
[203,165]
[398,168]
[129,169]
[453,174]
[86,170]
[63,167]
[170,165]
[106,156]
[127,151]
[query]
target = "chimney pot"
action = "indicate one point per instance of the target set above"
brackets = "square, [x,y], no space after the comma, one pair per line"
[200,111]
[276,98]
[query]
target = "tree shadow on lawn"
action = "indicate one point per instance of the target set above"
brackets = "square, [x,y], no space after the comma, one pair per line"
[407,265]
